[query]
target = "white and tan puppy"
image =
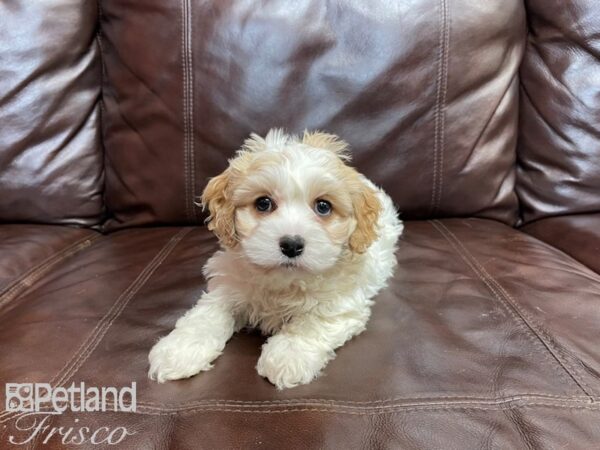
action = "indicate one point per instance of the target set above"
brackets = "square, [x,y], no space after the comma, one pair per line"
[307,242]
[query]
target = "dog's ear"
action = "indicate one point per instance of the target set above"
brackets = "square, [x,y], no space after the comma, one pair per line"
[366,212]
[327,141]
[217,198]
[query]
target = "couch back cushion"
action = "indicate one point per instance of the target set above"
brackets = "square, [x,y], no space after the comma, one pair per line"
[559,140]
[51,165]
[424,91]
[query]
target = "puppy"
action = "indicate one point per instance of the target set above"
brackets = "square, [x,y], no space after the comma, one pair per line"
[307,242]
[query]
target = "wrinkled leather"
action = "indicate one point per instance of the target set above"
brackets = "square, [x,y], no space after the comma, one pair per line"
[51,168]
[559,138]
[472,344]
[424,91]
[578,236]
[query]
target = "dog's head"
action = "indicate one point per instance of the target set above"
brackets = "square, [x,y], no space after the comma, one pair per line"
[292,203]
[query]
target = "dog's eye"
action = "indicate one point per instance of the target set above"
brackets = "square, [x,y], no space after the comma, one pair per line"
[323,207]
[264,204]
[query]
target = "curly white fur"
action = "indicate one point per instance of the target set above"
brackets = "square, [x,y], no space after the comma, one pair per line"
[311,304]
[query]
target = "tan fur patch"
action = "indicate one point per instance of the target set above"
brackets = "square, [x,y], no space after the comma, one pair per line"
[366,211]
[327,141]
[217,198]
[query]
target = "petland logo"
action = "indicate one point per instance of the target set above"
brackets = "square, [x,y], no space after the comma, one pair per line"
[38,397]
[34,404]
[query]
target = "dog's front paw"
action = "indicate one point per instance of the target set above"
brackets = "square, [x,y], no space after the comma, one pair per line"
[180,355]
[288,361]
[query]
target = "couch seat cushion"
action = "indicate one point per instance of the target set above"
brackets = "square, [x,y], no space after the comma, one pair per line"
[485,336]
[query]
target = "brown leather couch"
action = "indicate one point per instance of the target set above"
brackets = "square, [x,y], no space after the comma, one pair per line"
[480,118]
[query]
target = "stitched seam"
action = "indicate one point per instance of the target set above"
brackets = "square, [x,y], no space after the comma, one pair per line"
[498,404]
[35,273]
[549,342]
[440,106]
[374,411]
[185,111]
[443,401]
[192,166]
[537,329]
[331,402]
[521,319]
[345,408]
[399,410]
[101,328]
[442,133]
[31,272]
[188,109]
[119,306]
[511,404]
[370,413]
[337,407]
[488,280]
[436,111]
[94,338]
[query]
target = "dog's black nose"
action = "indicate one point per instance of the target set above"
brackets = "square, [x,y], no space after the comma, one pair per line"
[291,246]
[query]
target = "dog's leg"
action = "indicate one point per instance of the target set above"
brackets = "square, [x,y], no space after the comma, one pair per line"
[198,339]
[297,354]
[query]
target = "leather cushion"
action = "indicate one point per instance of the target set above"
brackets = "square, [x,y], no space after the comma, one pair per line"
[559,132]
[51,164]
[471,342]
[425,92]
